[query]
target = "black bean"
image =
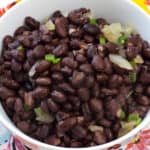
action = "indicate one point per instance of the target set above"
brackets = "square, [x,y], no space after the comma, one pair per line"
[78,79]
[91,51]
[57,76]
[7,40]
[18,107]
[16,66]
[111,47]
[146,52]
[78,132]
[40,92]
[18,55]
[61,26]
[67,61]
[20,30]
[96,105]
[60,50]
[143,100]
[98,63]
[24,126]
[43,81]
[62,116]
[99,137]
[87,68]
[66,124]
[58,96]
[52,105]
[10,83]
[5,93]
[84,94]
[76,16]
[66,87]
[66,71]
[39,51]
[91,29]
[148,91]
[32,23]
[42,66]
[53,140]
[106,123]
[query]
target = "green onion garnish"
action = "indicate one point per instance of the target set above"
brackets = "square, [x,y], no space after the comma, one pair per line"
[20,48]
[133,77]
[43,116]
[122,40]
[135,117]
[93,21]
[129,94]
[26,108]
[52,58]
[102,40]
[121,114]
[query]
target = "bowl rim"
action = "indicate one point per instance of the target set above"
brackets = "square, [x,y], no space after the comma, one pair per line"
[14,130]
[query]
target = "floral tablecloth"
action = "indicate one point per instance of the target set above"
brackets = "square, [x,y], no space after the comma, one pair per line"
[140,142]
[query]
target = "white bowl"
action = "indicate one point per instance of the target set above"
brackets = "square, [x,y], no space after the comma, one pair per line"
[113,10]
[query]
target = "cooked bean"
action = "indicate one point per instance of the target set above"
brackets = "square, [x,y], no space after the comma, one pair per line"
[39,51]
[43,81]
[58,96]
[5,92]
[52,105]
[61,26]
[83,94]
[96,105]
[60,50]
[40,92]
[98,63]
[24,126]
[67,124]
[78,79]
[79,132]
[32,23]
[87,68]
[53,140]
[42,66]
[91,29]
[99,137]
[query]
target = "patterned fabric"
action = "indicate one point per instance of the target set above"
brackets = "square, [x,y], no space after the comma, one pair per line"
[141,141]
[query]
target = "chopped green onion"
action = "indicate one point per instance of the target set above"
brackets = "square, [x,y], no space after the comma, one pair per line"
[121,114]
[126,127]
[93,21]
[20,48]
[122,40]
[133,77]
[133,64]
[102,40]
[26,108]
[52,59]
[129,94]
[43,116]
[135,117]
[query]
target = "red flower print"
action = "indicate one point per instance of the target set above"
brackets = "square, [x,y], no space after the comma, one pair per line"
[147,2]
[140,142]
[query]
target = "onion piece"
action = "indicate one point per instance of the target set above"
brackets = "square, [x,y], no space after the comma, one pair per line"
[50,25]
[94,128]
[138,60]
[32,70]
[126,127]
[43,116]
[120,61]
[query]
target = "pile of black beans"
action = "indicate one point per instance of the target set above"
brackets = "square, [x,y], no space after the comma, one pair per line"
[80,93]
